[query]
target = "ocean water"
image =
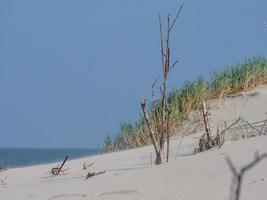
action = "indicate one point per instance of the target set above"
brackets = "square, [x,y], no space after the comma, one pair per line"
[21,157]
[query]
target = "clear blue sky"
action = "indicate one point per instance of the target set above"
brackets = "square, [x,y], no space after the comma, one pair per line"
[72,70]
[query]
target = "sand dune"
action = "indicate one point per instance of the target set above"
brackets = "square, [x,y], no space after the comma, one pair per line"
[130,175]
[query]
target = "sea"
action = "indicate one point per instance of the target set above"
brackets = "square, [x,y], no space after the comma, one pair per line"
[22,157]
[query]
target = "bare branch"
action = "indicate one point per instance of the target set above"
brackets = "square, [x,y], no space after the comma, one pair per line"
[257,13]
[256,160]
[238,176]
[223,132]
[250,125]
[154,83]
[173,65]
[2,181]
[207,143]
[159,123]
[177,15]
[231,166]
[87,166]
[149,126]
[58,170]
[91,174]
[153,92]
[161,42]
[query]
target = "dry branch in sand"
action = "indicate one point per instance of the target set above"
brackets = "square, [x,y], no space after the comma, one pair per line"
[205,143]
[59,170]
[91,174]
[238,175]
[246,130]
[2,181]
[87,166]
[159,125]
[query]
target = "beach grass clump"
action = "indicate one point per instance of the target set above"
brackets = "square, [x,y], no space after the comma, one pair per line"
[108,144]
[239,78]
[182,101]
[127,137]
[188,97]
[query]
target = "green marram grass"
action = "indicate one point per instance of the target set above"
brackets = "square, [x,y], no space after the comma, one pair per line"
[188,97]
[238,78]
[182,101]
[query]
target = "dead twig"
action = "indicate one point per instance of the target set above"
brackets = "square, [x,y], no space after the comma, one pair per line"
[205,144]
[174,64]
[177,15]
[263,128]
[91,174]
[239,175]
[257,13]
[58,170]
[226,129]
[87,166]
[250,125]
[151,133]
[2,181]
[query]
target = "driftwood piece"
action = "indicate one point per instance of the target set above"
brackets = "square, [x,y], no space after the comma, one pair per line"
[218,138]
[159,153]
[58,170]
[259,127]
[2,181]
[206,141]
[251,126]
[87,166]
[222,134]
[263,128]
[239,175]
[205,144]
[91,174]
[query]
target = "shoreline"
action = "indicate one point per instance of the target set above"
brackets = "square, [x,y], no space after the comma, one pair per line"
[46,162]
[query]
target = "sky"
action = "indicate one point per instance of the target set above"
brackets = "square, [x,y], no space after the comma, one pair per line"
[72,70]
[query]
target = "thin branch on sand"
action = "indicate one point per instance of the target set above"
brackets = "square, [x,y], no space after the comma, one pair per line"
[87,166]
[2,181]
[91,174]
[239,175]
[59,170]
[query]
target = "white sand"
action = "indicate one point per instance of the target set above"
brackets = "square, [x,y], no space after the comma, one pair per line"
[129,174]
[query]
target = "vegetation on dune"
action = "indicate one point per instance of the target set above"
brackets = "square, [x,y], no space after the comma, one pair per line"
[237,78]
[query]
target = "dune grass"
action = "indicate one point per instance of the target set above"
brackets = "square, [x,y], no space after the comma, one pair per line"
[182,101]
[238,78]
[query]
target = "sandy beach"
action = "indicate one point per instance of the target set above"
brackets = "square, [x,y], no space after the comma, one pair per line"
[133,100]
[131,175]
